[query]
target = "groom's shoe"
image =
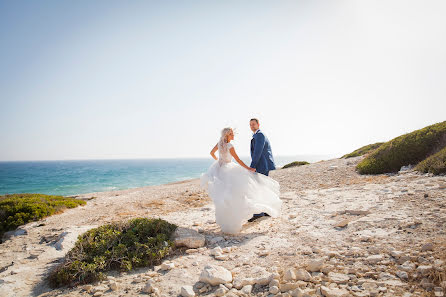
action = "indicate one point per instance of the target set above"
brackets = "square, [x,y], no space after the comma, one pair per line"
[258,215]
[255,217]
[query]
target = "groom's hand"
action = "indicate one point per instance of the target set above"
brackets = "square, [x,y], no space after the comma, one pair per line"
[252,169]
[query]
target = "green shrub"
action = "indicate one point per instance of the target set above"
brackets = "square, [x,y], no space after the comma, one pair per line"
[406,149]
[19,209]
[363,150]
[295,163]
[435,164]
[120,246]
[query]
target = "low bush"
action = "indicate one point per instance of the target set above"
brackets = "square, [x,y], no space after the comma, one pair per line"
[410,148]
[19,209]
[363,150]
[435,164]
[120,246]
[295,163]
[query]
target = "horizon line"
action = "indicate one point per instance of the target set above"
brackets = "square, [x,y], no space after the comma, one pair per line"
[149,158]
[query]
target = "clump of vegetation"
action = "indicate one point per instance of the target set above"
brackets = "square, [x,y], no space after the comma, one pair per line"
[435,164]
[410,148]
[363,150]
[120,246]
[19,209]
[295,163]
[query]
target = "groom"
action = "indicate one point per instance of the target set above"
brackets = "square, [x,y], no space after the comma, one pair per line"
[261,156]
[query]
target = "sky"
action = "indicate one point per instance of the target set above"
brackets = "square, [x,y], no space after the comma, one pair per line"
[160,79]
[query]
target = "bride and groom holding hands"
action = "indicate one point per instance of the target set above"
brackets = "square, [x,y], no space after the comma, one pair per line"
[241,193]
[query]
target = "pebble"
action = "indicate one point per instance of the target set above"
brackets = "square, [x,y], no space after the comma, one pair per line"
[221,291]
[303,275]
[187,291]
[247,289]
[188,237]
[216,250]
[289,275]
[149,287]
[315,265]
[402,275]
[342,224]
[167,266]
[334,292]
[274,290]
[427,247]
[424,269]
[221,257]
[338,278]
[113,286]
[215,275]
[374,259]
[273,283]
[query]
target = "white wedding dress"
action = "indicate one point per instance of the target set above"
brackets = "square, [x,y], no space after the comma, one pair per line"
[238,193]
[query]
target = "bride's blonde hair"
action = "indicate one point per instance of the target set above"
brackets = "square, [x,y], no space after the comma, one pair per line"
[223,142]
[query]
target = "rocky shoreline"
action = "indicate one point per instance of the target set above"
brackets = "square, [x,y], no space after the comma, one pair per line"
[340,234]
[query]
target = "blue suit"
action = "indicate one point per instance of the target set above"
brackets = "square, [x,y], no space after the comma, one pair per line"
[261,154]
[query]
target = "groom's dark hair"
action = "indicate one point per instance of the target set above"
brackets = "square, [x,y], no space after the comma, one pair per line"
[254,119]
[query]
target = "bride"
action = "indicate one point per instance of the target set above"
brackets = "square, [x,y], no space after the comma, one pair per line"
[238,191]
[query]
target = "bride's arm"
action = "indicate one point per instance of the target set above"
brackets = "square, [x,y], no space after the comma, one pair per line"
[213,152]
[234,154]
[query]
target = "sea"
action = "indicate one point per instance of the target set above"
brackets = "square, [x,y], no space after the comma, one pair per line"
[73,177]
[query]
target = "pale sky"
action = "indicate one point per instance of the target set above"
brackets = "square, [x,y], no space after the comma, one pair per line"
[155,79]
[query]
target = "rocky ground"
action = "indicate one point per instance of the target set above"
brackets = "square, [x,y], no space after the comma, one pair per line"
[340,234]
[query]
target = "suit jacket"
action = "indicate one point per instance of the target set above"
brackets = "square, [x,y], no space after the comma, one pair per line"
[261,153]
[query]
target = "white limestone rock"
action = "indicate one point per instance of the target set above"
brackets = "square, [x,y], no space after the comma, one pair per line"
[215,275]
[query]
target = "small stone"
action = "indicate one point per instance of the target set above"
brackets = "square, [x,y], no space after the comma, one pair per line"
[396,254]
[338,278]
[227,249]
[216,250]
[334,292]
[424,269]
[88,288]
[228,285]
[438,292]
[298,292]
[149,287]
[289,275]
[374,259]
[402,275]
[315,265]
[113,286]
[407,266]
[188,237]
[273,283]
[220,291]
[342,224]
[222,257]
[215,275]
[289,286]
[191,251]
[427,247]
[247,289]
[187,291]
[274,290]
[167,266]
[303,275]
[99,289]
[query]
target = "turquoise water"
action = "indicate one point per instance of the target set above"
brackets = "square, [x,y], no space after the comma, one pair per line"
[87,176]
